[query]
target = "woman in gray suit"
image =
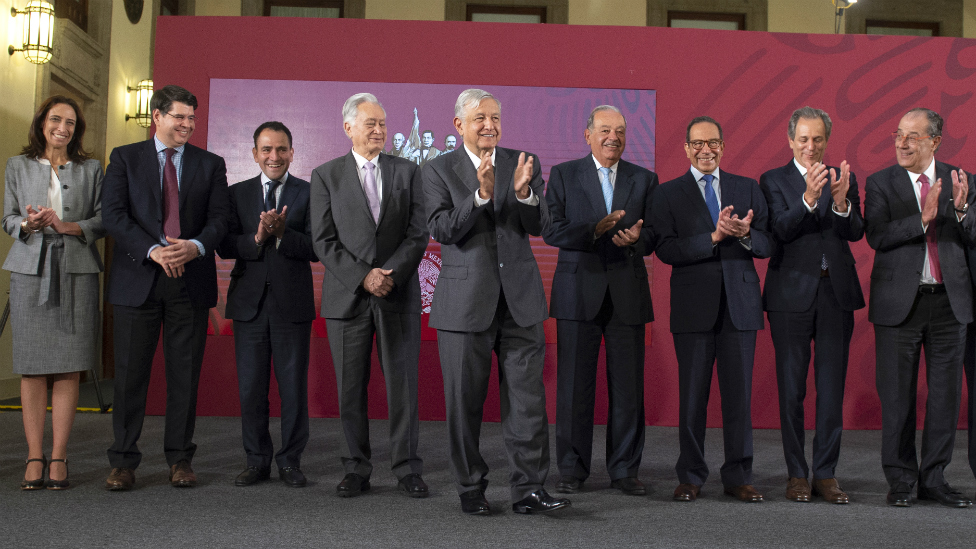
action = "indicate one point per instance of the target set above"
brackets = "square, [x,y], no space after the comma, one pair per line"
[52,209]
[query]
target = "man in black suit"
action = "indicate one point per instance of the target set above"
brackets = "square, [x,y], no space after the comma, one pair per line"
[271,301]
[811,294]
[368,231]
[164,202]
[921,298]
[600,292]
[483,202]
[710,226]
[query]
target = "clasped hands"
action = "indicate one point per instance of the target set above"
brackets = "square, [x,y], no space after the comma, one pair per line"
[960,191]
[271,224]
[729,224]
[379,282]
[175,255]
[42,217]
[624,237]
[486,177]
[817,179]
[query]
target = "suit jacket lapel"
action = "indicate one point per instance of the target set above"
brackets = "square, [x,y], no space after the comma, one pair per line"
[622,187]
[465,170]
[288,194]
[901,183]
[356,192]
[191,160]
[149,168]
[504,176]
[589,181]
[387,170]
[691,189]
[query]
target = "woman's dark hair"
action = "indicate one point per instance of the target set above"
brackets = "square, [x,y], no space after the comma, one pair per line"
[37,143]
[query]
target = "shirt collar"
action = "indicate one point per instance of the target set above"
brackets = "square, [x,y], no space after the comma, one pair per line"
[477,159]
[361,160]
[929,172]
[698,175]
[160,147]
[802,169]
[265,179]
[598,165]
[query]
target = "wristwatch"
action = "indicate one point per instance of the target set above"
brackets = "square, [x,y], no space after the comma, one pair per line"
[964,209]
[25,228]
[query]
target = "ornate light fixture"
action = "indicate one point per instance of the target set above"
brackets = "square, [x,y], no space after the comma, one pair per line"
[144,92]
[841,5]
[38,37]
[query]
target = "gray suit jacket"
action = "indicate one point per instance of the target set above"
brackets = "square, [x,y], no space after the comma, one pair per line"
[26,182]
[894,229]
[485,250]
[349,243]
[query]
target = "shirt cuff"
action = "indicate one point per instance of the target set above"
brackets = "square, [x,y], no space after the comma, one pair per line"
[153,247]
[478,201]
[807,206]
[532,200]
[746,242]
[203,252]
[842,214]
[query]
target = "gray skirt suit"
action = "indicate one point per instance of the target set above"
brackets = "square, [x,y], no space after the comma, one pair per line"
[54,278]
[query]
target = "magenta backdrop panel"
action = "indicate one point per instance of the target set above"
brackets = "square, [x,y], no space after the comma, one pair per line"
[749,81]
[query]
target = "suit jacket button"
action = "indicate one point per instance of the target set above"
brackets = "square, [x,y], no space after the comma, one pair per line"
[66,208]
[64,187]
[500,265]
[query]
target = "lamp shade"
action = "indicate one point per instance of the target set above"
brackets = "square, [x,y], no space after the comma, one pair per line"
[38,37]
[144,92]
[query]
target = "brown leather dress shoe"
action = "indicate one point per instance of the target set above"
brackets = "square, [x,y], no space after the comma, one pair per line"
[181,475]
[121,478]
[798,489]
[687,492]
[746,493]
[828,489]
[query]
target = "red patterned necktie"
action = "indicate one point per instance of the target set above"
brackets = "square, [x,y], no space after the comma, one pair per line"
[171,197]
[931,239]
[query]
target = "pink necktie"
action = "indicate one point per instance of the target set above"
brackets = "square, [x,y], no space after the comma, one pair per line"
[931,239]
[369,184]
[171,197]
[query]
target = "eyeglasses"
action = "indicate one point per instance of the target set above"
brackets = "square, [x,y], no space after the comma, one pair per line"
[181,117]
[912,140]
[697,144]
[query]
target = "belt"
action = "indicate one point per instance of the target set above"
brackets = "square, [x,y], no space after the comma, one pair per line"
[931,288]
[56,281]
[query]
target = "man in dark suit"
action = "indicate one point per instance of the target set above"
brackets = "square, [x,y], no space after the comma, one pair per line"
[600,292]
[921,298]
[811,294]
[710,226]
[428,151]
[164,202]
[483,202]
[271,301]
[368,231]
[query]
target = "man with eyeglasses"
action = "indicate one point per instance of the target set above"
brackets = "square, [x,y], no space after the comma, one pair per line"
[811,293]
[165,203]
[710,225]
[920,300]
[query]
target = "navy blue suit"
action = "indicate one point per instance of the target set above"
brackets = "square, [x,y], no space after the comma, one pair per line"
[272,303]
[145,298]
[716,308]
[599,291]
[804,303]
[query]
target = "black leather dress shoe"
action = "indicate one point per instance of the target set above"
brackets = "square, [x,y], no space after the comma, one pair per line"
[413,485]
[252,475]
[292,476]
[474,503]
[900,495]
[569,485]
[539,502]
[632,486]
[352,485]
[945,495]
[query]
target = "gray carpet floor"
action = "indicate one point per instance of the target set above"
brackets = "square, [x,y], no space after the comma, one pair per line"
[218,514]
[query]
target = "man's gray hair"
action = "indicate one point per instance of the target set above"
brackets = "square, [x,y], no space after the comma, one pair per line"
[350,109]
[601,108]
[934,120]
[809,113]
[472,98]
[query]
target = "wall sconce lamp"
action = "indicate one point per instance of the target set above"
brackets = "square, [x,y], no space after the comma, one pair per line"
[144,92]
[38,38]
[841,5]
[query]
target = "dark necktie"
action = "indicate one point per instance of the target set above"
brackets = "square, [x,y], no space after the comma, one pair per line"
[171,197]
[270,203]
[931,239]
[711,201]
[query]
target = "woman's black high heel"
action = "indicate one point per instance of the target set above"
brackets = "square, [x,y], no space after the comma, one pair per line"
[35,484]
[52,484]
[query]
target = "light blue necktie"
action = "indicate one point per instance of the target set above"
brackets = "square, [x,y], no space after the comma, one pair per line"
[711,201]
[607,188]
